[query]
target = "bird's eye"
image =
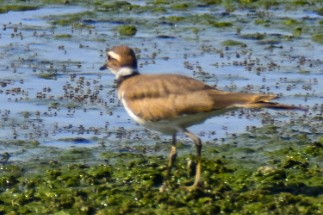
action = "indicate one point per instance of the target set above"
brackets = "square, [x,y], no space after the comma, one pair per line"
[110,58]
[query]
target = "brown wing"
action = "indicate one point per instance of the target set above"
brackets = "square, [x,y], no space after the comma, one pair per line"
[155,97]
[155,86]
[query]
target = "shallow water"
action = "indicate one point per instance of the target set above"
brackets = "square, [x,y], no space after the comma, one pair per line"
[80,102]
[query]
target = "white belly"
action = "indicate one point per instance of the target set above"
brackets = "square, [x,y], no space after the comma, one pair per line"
[173,125]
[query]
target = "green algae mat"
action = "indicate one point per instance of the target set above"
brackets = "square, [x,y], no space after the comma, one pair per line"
[241,177]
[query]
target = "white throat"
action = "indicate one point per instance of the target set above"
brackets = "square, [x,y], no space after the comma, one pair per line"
[124,71]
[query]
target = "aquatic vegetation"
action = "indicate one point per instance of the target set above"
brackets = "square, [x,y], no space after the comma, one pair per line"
[70,19]
[181,6]
[63,36]
[233,43]
[127,30]
[220,24]
[291,22]
[318,38]
[12,7]
[175,18]
[128,182]
[320,11]
[114,5]
[212,2]
[255,36]
[264,22]
[47,75]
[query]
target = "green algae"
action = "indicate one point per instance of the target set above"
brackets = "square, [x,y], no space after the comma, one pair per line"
[75,154]
[291,22]
[63,36]
[220,24]
[48,75]
[116,5]
[297,32]
[233,43]
[318,38]
[127,30]
[175,18]
[255,36]
[264,22]
[181,6]
[320,11]
[71,19]
[7,8]
[287,180]
[54,105]
[212,2]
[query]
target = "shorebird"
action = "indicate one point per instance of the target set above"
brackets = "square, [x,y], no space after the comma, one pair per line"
[170,103]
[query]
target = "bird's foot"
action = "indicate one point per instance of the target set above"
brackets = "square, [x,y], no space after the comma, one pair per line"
[197,185]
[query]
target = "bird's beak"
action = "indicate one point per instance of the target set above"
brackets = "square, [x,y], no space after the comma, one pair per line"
[104,67]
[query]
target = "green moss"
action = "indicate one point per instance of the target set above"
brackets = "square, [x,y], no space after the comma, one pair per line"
[290,22]
[318,38]
[75,154]
[255,36]
[297,32]
[180,6]
[72,105]
[129,184]
[47,75]
[220,24]
[54,105]
[70,19]
[301,2]
[116,5]
[233,43]
[127,30]
[211,2]
[264,22]
[63,36]
[247,1]
[175,18]
[7,8]
[162,2]
[320,11]
[270,4]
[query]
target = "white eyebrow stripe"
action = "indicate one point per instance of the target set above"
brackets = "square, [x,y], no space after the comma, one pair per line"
[114,55]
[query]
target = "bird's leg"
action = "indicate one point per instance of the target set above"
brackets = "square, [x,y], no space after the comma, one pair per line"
[172,157]
[198,144]
[171,161]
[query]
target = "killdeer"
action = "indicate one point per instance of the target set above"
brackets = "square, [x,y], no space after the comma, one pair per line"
[171,103]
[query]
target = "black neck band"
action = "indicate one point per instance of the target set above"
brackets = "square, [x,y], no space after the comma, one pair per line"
[123,78]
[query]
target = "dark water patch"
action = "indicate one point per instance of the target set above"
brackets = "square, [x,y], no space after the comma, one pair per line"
[165,37]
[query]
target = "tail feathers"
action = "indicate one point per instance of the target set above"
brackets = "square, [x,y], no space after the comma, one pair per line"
[227,100]
[273,105]
[264,101]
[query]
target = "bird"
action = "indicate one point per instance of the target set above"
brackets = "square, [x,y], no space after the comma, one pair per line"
[171,103]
